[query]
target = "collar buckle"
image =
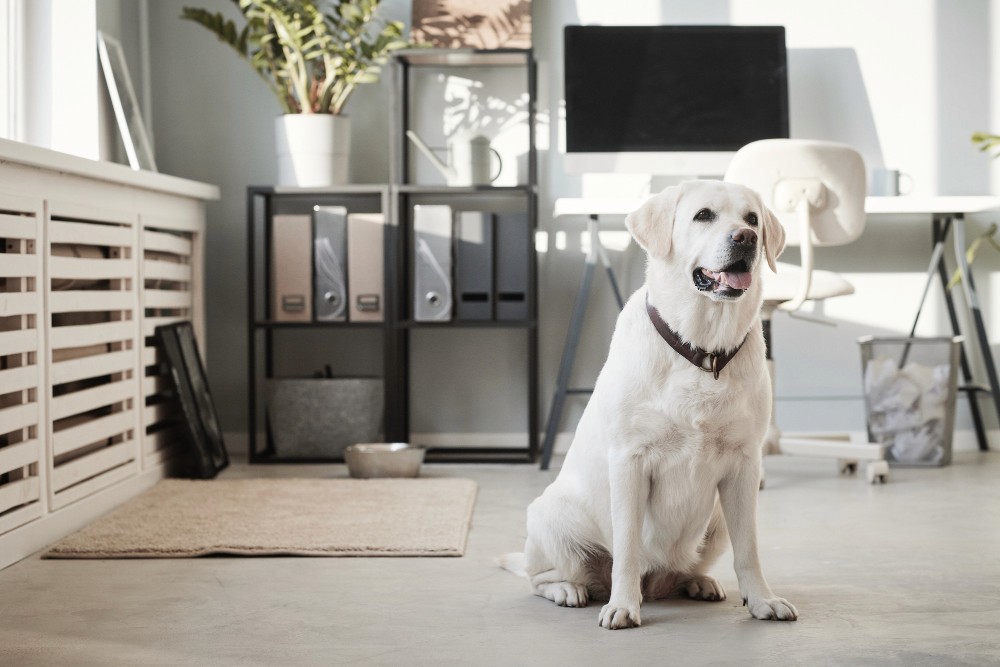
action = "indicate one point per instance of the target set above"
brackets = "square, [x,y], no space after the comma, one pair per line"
[697,356]
[713,365]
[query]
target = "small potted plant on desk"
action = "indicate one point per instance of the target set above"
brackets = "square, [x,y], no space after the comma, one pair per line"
[312,54]
[986,142]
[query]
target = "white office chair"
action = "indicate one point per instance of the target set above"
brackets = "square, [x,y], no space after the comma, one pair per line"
[817,191]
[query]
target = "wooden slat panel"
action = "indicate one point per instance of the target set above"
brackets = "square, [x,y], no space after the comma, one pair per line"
[19,517]
[156,298]
[18,493]
[89,432]
[17,417]
[89,234]
[18,226]
[161,440]
[19,378]
[163,242]
[162,450]
[18,342]
[93,366]
[17,456]
[156,458]
[102,460]
[155,384]
[188,222]
[15,265]
[93,269]
[84,489]
[16,204]
[157,270]
[149,324]
[19,303]
[68,405]
[78,301]
[90,212]
[91,334]
[150,356]
[158,412]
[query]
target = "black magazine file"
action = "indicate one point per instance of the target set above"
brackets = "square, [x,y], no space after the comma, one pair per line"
[207,452]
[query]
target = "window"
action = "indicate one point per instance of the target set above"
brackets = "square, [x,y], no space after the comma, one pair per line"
[11,31]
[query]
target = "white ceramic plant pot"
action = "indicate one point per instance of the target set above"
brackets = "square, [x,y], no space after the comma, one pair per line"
[313,149]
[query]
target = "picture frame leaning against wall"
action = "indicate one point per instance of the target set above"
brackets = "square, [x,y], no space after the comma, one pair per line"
[138,147]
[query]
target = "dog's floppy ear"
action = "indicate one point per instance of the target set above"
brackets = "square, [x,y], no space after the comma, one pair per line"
[652,224]
[773,235]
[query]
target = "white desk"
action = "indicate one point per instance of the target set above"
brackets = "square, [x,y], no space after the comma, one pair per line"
[942,213]
[903,205]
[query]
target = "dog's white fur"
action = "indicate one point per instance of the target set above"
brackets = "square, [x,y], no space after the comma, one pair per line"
[666,457]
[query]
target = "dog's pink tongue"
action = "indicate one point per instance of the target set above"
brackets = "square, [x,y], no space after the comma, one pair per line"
[735,280]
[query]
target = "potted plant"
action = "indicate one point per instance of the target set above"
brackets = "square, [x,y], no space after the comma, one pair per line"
[986,141]
[312,54]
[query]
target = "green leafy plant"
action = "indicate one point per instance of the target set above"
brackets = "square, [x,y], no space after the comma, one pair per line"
[987,142]
[312,54]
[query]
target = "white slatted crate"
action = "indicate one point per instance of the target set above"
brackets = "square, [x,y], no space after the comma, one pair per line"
[93,343]
[72,354]
[168,296]
[22,428]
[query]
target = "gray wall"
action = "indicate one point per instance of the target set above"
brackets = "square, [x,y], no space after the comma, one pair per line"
[905,80]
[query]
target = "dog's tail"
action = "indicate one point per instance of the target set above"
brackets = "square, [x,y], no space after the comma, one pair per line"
[513,562]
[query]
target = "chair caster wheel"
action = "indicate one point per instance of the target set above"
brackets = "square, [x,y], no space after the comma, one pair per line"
[848,466]
[877,472]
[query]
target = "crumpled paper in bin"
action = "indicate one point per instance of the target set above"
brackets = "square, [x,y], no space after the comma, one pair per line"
[907,408]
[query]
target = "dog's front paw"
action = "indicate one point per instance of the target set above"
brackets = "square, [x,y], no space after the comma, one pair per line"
[616,616]
[771,609]
[565,594]
[704,587]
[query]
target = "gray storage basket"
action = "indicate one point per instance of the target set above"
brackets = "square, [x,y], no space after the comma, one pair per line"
[319,418]
[910,386]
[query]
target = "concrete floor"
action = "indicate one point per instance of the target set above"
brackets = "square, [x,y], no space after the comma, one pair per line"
[902,574]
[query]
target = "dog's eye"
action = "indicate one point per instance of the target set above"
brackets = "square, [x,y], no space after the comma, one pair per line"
[751,219]
[704,215]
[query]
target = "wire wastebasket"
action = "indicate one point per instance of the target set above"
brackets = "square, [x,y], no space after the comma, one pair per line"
[910,386]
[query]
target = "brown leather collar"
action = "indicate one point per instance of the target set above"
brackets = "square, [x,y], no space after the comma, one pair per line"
[697,356]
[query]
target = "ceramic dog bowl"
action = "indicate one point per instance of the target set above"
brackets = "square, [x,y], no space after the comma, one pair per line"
[384,459]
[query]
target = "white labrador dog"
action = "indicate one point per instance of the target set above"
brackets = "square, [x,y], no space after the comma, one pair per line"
[668,454]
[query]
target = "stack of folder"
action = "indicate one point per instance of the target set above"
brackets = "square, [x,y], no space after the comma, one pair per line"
[328,267]
[467,265]
[470,265]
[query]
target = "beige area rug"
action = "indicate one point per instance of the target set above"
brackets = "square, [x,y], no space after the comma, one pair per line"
[273,517]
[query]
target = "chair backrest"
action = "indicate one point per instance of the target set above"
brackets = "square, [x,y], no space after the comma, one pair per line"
[777,168]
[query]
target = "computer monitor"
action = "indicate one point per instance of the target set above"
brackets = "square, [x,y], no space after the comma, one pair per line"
[671,100]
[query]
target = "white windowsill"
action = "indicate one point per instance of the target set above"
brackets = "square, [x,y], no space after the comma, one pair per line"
[21,153]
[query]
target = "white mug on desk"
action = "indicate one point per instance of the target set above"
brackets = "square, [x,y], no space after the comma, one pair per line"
[886,183]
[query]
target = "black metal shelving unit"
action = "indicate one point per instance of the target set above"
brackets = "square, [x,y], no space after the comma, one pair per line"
[263,203]
[395,200]
[520,197]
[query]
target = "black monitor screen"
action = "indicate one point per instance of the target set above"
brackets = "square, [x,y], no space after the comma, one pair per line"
[674,88]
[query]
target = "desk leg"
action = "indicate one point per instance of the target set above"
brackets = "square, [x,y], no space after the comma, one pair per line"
[941,228]
[936,257]
[568,356]
[972,302]
[606,261]
[597,252]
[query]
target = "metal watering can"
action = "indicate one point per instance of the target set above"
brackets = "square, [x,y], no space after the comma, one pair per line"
[469,158]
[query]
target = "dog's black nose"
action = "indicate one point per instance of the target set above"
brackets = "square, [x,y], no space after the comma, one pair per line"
[744,236]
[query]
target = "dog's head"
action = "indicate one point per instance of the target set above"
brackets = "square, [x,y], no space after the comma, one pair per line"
[711,233]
